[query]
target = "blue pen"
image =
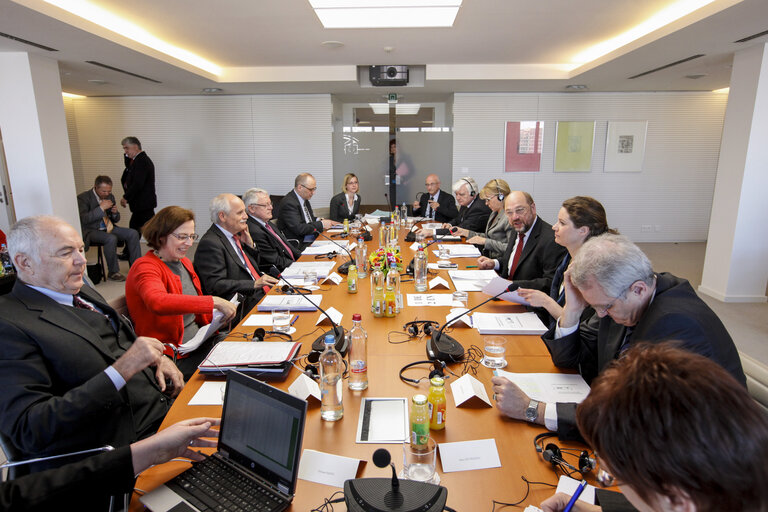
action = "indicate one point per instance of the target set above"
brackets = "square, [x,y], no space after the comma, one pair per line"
[575,496]
[294,319]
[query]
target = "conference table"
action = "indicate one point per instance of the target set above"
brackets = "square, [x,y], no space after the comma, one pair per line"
[467,490]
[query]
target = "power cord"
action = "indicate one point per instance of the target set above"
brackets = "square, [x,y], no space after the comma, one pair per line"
[327,505]
[528,485]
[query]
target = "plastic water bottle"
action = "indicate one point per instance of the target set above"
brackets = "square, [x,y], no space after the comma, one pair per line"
[360,259]
[377,292]
[420,270]
[392,296]
[358,355]
[331,370]
[403,214]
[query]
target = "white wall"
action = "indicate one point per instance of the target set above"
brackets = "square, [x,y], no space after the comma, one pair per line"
[202,146]
[674,191]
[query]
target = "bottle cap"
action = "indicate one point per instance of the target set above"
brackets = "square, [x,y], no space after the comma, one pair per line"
[419,399]
[437,381]
[329,339]
[356,317]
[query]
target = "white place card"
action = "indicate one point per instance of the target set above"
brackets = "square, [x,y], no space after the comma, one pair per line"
[430,299]
[304,387]
[469,455]
[210,393]
[439,282]
[451,317]
[333,277]
[327,469]
[257,320]
[467,390]
[334,314]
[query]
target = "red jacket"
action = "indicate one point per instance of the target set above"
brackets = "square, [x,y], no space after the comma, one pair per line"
[157,304]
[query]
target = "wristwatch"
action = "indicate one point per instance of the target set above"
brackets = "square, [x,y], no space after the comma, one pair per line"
[532,412]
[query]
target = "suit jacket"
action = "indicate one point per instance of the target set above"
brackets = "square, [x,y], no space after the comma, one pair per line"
[219,268]
[340,210]
[290,219]
[56,397]
[498,232]
[138,182]
[271,251]
[676,313]
[473,217]
[91,213]
[541,256]
[444,213]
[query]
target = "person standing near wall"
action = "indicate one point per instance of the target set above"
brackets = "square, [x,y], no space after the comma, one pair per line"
[138,181]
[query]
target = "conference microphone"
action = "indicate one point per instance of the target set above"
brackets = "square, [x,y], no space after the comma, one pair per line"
[442,347]
[344,268]
[382,459]
[338,331]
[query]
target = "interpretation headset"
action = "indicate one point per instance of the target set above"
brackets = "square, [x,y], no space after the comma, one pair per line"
[427,326]
[471,188]
[437,371]
[286,290]
[259,334]
[312,367]
[554,455]
[499,193]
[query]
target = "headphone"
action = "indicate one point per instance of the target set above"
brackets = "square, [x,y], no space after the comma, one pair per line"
[312,367]
[296,290]
[427,326]
[259,334]
[471,188]
[554,455]
[499,194]
[437,371]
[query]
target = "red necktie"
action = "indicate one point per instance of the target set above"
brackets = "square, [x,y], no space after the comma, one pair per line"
[516,258]
[248,263]
[269,228]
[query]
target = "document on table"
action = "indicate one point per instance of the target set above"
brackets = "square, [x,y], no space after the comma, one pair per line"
[322,249]
[290,303]
[568,486]
[383,420]
[327,469]
[257,320]
[206,331]
[469,455]
[549,387]
[210,393]
[237,353]
[459,251]
[321,242]
[299,268]
[499,284]
[508,323]
[472,280]
[430,299]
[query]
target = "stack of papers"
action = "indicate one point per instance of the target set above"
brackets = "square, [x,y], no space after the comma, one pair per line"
[498,285]
[471,280]
[460,251]
[508,323]
[549,387]
[264,356]
[299,268]
[290,303]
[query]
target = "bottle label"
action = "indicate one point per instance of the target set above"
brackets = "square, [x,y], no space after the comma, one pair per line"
[358,366]
[419,433]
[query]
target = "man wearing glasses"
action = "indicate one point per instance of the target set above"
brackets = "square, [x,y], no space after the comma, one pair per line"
[632,303]
[295,217]
[532,255]
[274,248]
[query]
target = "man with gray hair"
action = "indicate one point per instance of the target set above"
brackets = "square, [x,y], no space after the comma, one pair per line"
[73,372]
[295,217]
[631,303]
[274,248]
[473,212]
[226,258]
[138,182]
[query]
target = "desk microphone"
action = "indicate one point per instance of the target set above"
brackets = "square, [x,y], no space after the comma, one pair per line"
[343,268]
[338,331]
[442,347]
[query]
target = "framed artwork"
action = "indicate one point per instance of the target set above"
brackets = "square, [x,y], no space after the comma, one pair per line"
[522,146]
[573,146]
[625,146]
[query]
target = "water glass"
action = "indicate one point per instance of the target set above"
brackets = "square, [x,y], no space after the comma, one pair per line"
[281,321]
[310,279]
[419,460]
[444,253]
[461,297]
[494,350]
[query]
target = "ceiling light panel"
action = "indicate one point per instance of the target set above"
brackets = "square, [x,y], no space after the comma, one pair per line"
[402,109]
[386,13]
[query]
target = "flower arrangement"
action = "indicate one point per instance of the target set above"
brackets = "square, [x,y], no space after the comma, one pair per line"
[387,258]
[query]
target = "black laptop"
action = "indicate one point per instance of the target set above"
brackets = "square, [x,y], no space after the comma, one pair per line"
[257,462]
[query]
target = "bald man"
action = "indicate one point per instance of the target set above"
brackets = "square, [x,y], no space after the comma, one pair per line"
[436,204]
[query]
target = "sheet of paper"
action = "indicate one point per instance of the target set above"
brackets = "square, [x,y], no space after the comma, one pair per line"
[568,486]
[333,313]
[549,387]
[327,469]
[299,268]
[459,250]
[290,303]
[508,323]
[414,246]
[257,320]
[499,284]
[383,420]
[471,280]
[449,238]
[532,508]
[454,316]
[430,299]
[210,393]
[469,455]
[304,387]
[333,277]
[467,388]
[431,225]
[322,242]
[322,249]
[206,331]
[439,282]
[231,353]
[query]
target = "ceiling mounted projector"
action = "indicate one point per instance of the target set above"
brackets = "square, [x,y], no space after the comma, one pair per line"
[388,75]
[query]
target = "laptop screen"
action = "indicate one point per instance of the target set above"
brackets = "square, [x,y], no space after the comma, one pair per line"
[262,428]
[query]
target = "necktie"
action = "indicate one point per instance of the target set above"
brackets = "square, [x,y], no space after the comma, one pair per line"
[108,226]
[255,275]
[79,303]
[516,257]
[430,211]
[279,239]
[308,215]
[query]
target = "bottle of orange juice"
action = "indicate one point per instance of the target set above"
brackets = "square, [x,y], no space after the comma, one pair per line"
[436,400]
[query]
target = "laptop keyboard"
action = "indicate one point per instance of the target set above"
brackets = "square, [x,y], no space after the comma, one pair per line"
[215,485]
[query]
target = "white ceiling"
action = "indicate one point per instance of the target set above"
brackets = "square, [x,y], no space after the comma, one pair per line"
[274,46]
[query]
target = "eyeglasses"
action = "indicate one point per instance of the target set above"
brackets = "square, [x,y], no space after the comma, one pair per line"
[265,205]
[310,189]
[603,309]
[183,237]
[518,211]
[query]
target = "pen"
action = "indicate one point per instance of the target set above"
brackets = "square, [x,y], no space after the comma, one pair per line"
[294,320]
[471,266]
[575,496]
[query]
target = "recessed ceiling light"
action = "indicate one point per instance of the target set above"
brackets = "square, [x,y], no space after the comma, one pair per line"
[403,109]
[211,90]
[332,44]
[576,87]
[386,13]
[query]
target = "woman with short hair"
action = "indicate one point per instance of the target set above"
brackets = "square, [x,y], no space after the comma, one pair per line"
[495,238]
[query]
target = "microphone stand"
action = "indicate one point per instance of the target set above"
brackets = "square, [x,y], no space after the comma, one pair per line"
[344,268]
[443,347]
[338,331]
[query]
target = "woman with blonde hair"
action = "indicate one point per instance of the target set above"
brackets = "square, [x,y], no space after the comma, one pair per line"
[495,238]
[346,204]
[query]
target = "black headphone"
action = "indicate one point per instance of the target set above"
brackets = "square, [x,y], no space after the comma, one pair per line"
[437,371]
[296,290]
[471,188]
[499,194]
[554,455]
[259,334]
[427,326]
[312,366]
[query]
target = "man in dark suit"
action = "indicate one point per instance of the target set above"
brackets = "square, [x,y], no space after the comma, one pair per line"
[138,182]
[73,373]
[295,217]
[632,304]
[98,220]
[532,256]
[473,212]
[226,259]
[436,203]
[274,248]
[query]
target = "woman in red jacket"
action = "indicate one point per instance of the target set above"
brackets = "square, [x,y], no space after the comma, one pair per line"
[163,292]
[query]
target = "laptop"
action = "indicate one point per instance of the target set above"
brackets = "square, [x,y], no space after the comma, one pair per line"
[257,462]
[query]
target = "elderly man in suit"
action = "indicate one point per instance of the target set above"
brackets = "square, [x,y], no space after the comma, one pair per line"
[73,373]
[226,259]
[274,248]
[295,216]
[473,212]
[532,256]
[98,220]
[436,203]
[632,304]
